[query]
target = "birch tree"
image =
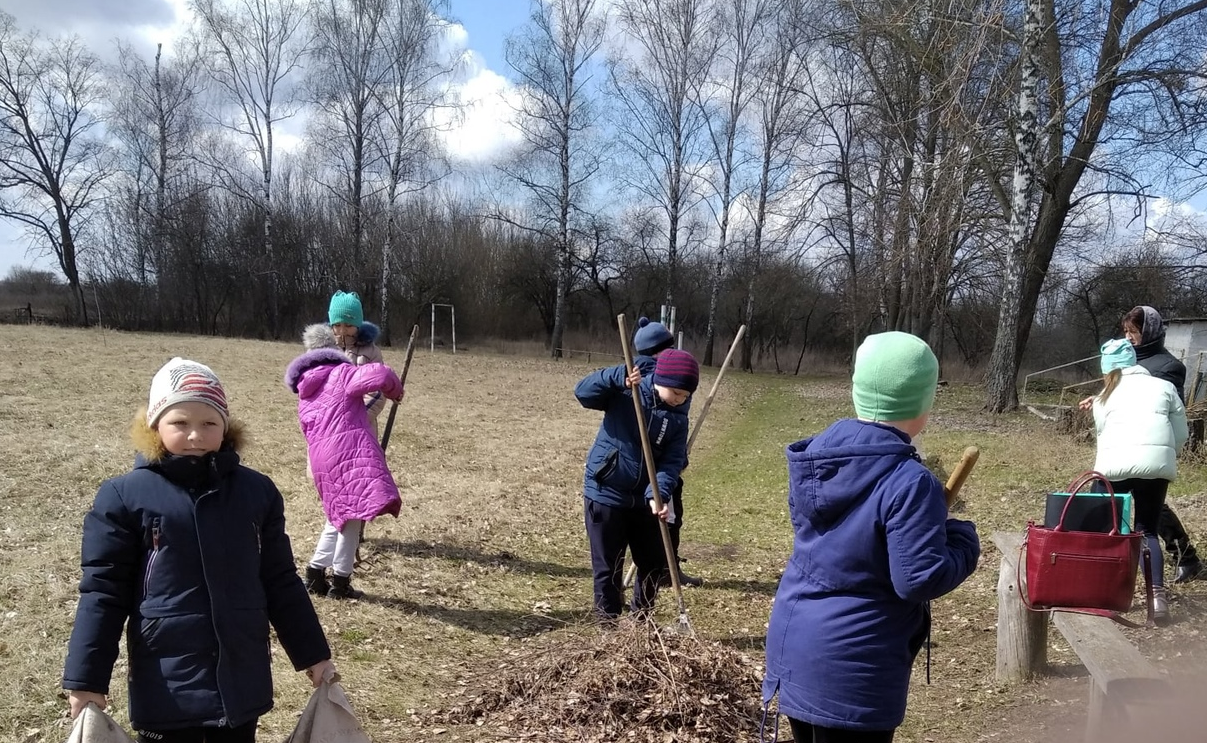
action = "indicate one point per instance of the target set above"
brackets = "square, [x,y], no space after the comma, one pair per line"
[347,71]
[52,154]
[1121,102]
[779,105]
[1003,369]
[415,90]
[256,48]
[552,58]
[652,84]
[156,118]
[741,27]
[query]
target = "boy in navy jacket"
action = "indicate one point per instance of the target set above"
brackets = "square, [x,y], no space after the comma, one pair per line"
[873,544]
[618,499]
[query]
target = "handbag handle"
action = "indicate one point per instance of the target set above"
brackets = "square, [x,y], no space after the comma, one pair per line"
[1075,487]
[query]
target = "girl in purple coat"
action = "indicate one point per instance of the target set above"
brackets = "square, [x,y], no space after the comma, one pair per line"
[348,466]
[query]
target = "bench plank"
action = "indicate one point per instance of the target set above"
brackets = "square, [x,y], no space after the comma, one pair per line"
[1116,664]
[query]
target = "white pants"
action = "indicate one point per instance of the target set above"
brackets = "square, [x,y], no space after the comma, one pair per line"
[337,549]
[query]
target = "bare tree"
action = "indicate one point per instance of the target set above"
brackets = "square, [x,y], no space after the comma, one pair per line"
[155,117]
[1119,101]
[51,152]
[348,71]
[653,86]
[552,57]
[255,48]
[1003,361]
[415,90]
[741,27]
[780,106]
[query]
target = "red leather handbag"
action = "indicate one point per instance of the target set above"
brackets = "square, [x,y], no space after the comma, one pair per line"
[1080,569]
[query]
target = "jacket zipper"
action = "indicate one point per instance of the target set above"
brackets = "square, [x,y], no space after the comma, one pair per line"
[146,586]
[205,577]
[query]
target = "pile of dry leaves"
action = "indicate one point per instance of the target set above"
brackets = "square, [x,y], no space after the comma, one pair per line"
[634,683]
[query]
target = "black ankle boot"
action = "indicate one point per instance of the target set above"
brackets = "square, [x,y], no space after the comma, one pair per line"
[316,581]
[341,588]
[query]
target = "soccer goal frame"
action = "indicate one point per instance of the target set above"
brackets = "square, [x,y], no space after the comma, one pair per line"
[452,313]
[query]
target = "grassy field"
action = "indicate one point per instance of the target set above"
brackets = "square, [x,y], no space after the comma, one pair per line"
[489,556]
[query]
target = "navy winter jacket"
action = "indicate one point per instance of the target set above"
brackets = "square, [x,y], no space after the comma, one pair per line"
[616,472]
[872,545]
[191,553]
[1162,364]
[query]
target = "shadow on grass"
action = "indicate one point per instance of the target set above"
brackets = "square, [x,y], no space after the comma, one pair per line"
[761,587]
[501,558]
[499,622]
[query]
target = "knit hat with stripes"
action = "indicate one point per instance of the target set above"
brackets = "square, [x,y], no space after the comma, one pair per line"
[181,380]
[677,369]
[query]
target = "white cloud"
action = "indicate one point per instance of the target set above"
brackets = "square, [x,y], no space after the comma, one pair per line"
[482,129]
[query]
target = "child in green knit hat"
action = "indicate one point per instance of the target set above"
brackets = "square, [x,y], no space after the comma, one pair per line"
[873,544]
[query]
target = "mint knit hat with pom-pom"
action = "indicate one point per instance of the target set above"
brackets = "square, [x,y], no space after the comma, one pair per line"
[345,308]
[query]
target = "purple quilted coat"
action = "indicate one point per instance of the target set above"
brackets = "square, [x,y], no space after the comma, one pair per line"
[349,466]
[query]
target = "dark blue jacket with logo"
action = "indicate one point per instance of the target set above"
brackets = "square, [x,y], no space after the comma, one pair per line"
[616,472]
[873,544]
[191,554]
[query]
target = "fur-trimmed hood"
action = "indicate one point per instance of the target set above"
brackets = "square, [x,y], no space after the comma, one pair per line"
[148,444]
[318,335]
[368,334]
[309,360]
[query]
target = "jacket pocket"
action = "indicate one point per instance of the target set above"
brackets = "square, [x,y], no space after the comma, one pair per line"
[607,468]
[156,539]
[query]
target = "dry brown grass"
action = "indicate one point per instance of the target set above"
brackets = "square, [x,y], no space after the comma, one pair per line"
[488,559]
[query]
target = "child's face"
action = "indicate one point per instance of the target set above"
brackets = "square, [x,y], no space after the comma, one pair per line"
[1132,333]
[344,333]
[191,429]
[672,396]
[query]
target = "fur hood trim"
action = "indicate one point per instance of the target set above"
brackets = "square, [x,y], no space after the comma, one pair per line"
[309,360]
[318,335]
[150,446]
[368,334]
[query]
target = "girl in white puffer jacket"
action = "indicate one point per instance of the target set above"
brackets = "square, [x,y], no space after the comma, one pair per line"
[1141,426]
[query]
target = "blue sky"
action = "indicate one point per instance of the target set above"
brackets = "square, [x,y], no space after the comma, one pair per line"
[98,22]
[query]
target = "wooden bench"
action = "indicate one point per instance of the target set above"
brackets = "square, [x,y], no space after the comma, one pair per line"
[1120,675]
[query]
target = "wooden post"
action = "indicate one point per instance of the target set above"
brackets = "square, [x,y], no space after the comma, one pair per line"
[1022,634]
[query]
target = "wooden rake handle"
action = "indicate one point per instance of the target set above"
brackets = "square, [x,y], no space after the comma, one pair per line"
[716,383]
[650,468]
[406,366]
[960,474]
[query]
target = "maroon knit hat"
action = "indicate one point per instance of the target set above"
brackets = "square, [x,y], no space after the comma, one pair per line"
[677,369]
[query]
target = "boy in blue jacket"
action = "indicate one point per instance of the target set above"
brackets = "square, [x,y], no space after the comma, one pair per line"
[617,497]
[873,544]
[651,339]
[189,552]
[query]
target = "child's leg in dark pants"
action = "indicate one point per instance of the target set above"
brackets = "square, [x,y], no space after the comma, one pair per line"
[803,732]
[649,555]
[607,533]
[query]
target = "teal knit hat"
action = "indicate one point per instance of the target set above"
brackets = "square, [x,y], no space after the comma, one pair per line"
[895,377]
[345,308]
[1117,354]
